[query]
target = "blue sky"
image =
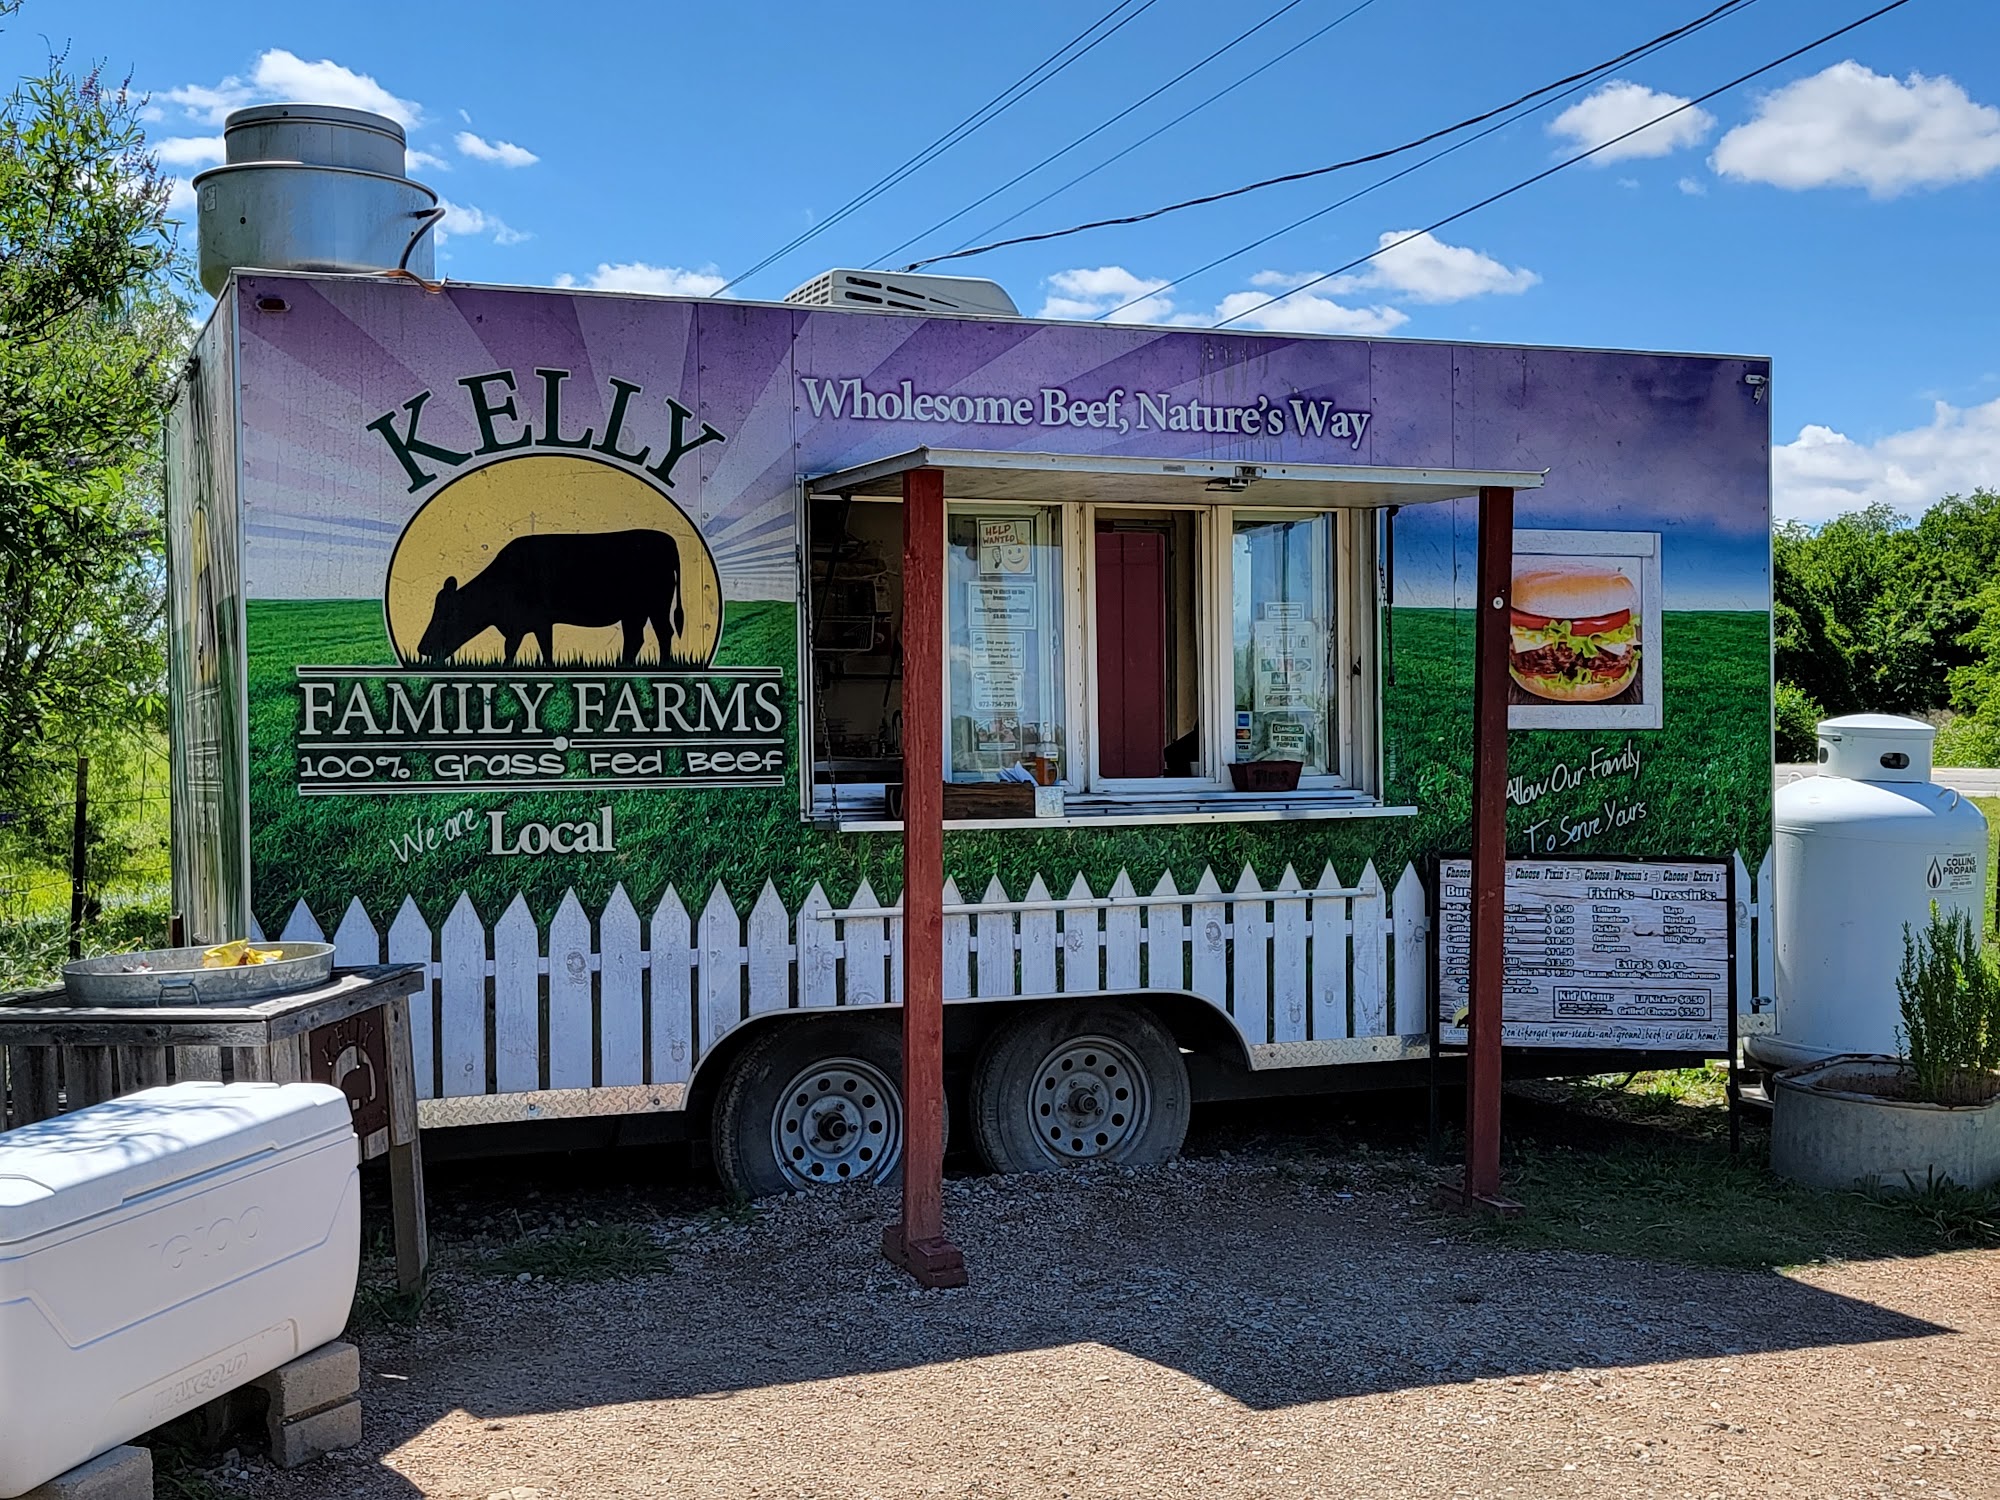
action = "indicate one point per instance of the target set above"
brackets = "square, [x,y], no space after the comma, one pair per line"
[1841,214]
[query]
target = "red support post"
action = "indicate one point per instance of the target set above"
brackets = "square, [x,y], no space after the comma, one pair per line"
[1489,850]
[917,1243]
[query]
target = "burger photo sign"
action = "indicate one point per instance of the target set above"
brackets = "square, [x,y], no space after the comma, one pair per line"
[1584,630]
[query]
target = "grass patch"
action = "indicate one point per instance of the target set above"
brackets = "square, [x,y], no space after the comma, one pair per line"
[589,1252]
[181,1473]
[1692,1101]
[380,1305]
[1694,1203]
[34,949]
[734,1213]
[1639,1165]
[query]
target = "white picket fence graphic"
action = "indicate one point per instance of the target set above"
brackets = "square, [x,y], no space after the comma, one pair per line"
[632,1000]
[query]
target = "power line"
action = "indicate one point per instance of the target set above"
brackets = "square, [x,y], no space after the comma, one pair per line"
[1526,182]
[1341,166]
[1112,160]
[1583,81]
[1237,40]
[999,104]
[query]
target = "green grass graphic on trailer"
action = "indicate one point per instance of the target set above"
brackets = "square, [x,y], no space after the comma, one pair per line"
[1702,782]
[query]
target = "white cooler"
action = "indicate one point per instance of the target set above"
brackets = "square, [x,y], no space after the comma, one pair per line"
[160,1249]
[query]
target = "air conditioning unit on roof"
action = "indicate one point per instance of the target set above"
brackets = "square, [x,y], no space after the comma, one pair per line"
[887,291]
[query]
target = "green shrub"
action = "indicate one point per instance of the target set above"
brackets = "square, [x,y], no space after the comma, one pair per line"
[1798,716]
[1968,740]
[1949,996]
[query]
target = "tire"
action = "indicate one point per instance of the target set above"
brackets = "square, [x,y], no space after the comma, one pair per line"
[812,1104]
[1064,1085]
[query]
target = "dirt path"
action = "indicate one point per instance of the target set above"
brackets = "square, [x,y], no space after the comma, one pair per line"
[1227,1327]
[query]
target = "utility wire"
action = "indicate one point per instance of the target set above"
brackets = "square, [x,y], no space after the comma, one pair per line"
[1109,161]
[998,105]
[1526,182]
[1237,40]
[1585,80]
[1341,166]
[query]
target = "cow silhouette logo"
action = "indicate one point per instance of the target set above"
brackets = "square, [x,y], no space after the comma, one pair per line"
[554,561]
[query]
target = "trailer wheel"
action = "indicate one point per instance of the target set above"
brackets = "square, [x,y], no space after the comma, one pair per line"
[810,1105]
[1062,1085]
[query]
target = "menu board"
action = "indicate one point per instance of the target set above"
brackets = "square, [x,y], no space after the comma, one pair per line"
[1600,953]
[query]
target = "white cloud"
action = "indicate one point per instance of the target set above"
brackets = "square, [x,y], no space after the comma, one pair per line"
[1850,127]
[1087,293]
[657,281]
[1822,473]
[423,161]
[1621,106]
[1694,187]
[506,153]
[281,75]
[1421,269]
[1303,312]
[189,150]
[463,218]
[1425,269]
[210,105]
[180,197]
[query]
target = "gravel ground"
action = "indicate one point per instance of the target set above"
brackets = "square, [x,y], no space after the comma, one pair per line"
[1242,1325]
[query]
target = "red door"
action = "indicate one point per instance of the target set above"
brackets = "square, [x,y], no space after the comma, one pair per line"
[1131,652]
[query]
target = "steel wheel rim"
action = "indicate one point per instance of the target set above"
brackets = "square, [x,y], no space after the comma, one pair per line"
[839,1120]
[1089,1100]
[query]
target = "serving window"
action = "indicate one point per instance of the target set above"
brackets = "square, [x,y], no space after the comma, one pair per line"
[1162,639]
[1129,654]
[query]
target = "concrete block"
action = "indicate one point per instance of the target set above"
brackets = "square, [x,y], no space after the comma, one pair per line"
[122,1474]
[304,1439]
[317,1379]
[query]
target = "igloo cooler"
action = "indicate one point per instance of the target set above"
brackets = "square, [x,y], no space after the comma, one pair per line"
[160,1249]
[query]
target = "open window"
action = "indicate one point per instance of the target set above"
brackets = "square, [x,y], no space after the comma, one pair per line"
[1135,632]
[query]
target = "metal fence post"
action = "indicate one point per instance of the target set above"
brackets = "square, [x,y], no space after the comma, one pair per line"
[78,862]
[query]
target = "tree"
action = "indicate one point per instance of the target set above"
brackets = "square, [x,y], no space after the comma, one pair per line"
[1874,612]
[93,326]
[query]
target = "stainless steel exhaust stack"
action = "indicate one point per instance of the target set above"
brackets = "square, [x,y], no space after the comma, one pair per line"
[312,187]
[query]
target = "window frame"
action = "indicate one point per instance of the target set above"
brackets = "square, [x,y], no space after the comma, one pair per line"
[1359,608]
[1084,571]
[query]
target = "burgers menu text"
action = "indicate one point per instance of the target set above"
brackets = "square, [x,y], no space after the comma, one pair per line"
[1599,954]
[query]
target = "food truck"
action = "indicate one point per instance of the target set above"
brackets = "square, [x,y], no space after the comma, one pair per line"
[553,639]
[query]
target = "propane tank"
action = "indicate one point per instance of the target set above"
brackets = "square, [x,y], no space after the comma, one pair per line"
[1862,850]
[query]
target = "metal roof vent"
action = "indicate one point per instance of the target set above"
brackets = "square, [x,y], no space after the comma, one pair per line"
[312,187]
[888,291]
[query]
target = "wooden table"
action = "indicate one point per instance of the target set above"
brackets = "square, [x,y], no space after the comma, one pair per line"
[352,1032]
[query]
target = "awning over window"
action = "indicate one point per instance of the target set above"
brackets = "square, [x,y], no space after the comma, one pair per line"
[973,474]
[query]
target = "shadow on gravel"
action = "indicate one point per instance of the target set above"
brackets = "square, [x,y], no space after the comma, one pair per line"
[1276,1277]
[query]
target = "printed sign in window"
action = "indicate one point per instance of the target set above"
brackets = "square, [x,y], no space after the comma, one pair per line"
[1006,546]
[1001,604]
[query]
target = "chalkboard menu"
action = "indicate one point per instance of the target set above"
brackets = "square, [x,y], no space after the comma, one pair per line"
[1600,953]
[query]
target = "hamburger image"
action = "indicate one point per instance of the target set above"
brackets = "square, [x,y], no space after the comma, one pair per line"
[1574,632]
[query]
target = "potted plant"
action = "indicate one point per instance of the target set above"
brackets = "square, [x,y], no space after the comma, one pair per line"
[1933,1111]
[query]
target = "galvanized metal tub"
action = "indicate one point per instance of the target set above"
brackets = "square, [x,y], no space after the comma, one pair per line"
[284,216]
[174,976]
[318,135]
[1831,1129]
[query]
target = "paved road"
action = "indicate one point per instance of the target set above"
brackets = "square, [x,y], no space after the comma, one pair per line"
[1973,781]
